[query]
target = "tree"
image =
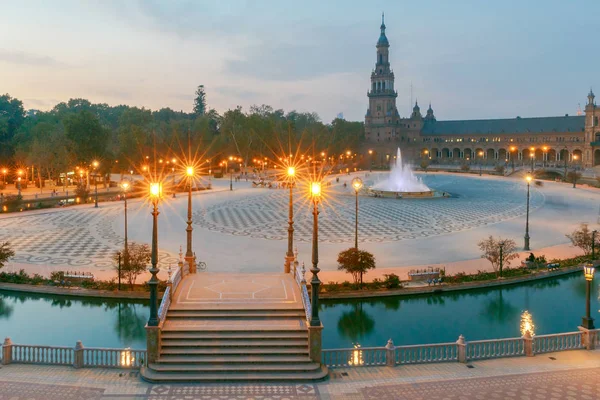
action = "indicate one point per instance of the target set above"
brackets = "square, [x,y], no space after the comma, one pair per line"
[573,176]
[12,116]
[424,165]
[200,101]
[582,238]
[87,137]
[355,262]
[499,252]
[133,261]
[6,253]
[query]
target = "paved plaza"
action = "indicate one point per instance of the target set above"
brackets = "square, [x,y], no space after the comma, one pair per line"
[565,375]
[245,230]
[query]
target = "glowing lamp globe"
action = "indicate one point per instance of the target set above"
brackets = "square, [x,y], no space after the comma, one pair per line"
[189,171]
[155,190]
[291,171]
[528,178]
[315,189]
[588,271]
[357,184]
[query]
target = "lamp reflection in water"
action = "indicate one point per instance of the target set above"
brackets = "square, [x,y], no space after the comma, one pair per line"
[356,358]
[527,323]
[127,358]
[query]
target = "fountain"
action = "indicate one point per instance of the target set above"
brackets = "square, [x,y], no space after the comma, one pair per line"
[401,182]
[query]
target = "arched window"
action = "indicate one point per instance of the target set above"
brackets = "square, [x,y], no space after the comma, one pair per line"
[383,85]
[380,59]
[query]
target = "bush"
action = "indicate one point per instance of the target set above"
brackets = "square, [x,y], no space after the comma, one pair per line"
[12,202]
[392,281]
[465,168]
[82,192]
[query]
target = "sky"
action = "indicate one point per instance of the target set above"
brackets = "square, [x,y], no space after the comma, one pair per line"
[471,59]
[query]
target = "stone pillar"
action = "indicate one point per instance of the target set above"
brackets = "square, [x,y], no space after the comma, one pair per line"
[461,349]
[78,355]
[152,343]
[528,344]
[588,337]
[315,342]
[7,351]
[390,354]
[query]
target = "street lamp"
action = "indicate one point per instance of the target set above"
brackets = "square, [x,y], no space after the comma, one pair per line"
[189,254]
[545,149]
[19,172]
[512,157]
[357,184]
[95,165]
[230,173]
[574,170]
[155,195]
[480,161]
[289,257]
[4,171]
[526,247]
[532,156]
[315,283]
[588,271]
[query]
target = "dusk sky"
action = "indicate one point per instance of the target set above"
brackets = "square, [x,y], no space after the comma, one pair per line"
[472,59]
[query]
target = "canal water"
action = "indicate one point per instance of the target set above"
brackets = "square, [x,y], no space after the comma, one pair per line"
[556,305]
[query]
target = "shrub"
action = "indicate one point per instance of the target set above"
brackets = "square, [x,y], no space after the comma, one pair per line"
[392,281]
[465,167]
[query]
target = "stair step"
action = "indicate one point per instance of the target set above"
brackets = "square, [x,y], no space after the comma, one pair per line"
[233,360]
[223,328]
[236,335]
[226,368]
[233,345]
[298,311]
[309,376]
[228,315]
[234,350]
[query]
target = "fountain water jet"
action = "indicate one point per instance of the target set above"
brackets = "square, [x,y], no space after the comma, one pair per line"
[401,182]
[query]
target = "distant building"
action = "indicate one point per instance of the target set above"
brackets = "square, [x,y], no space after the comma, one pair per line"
[548,140]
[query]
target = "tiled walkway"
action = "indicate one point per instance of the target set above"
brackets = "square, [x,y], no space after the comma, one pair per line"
[565,375]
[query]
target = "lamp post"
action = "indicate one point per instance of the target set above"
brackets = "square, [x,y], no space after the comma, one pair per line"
[95,165]
[526,247]
[4,171]
[480,161]
[289,256]
[532,156]
[189,254]
[588,271]
[594,232]
[512,157]
[155,195]
[125,187]
[357,184]
[574,170]
[315,283]
[230,173]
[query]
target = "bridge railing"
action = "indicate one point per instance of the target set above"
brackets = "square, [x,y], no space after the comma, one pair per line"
[461,350]
[77,357]
[299,276]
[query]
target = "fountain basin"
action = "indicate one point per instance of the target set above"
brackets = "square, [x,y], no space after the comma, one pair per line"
[404,195]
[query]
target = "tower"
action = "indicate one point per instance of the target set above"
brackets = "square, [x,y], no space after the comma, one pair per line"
[382,117]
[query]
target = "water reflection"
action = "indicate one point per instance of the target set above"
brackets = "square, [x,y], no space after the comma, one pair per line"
[130,322]
[5,309]
[498,310]
[355,324]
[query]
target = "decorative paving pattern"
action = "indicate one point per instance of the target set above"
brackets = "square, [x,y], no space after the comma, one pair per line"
[233,391]
[33,391]
[478,203]
[67,238]
[580,384]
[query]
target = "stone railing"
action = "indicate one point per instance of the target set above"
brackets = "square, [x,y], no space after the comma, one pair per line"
[461,350]
[78,356]
[165,303]
[301,281]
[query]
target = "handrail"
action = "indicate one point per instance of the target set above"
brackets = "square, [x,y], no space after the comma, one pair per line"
[113,358]
[164,306]
[426,353]
[175,279]
[495,348]
[557,342]
[301,281]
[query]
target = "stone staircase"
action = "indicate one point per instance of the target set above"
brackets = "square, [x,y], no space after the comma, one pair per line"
[251,342]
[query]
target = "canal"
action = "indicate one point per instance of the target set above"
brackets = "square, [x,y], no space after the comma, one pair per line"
[556,305]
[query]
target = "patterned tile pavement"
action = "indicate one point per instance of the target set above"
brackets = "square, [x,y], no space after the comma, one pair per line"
[567,375]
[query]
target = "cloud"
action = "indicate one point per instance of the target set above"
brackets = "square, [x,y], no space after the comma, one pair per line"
[237,92]
[21,58]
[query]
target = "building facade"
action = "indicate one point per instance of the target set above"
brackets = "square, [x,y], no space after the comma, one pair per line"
[546,141]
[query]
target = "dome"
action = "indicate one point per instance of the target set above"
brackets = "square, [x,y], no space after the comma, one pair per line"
[383,40]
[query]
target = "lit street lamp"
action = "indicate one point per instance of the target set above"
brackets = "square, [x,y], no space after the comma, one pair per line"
[357,184]
[125,186]
[189,254]
[95,165]
[230,173]
[155,195]
[588,271]
[19,172]
[480,161]
[289,257]
[4,171]
[512,157]
[574,170]
[532,156]
[526,247]
[315,283]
